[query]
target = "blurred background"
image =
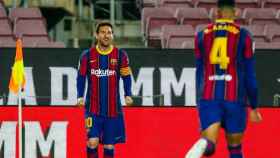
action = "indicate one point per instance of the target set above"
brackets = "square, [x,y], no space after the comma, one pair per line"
[137,23]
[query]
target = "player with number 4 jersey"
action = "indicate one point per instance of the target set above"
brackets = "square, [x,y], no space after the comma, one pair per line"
[225,82]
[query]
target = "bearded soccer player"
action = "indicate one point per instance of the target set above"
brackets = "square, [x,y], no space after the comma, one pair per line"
[225,79]
[102,67]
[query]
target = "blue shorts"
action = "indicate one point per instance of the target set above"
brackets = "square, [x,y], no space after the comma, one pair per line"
[231,115]
[108,130]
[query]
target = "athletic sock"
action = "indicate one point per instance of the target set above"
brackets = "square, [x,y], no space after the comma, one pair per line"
[92,153]
[235,151]
[108,153]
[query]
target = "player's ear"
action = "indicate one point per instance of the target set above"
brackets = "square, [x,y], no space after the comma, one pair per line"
[216,13]
[113,35]
[95,35]
[237,12]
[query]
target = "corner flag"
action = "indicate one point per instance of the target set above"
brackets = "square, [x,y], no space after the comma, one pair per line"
[17,80]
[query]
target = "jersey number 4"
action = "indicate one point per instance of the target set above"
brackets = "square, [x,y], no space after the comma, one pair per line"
[218,54]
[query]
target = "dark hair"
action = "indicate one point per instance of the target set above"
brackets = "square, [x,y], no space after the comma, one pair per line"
[101,24]
[226,3]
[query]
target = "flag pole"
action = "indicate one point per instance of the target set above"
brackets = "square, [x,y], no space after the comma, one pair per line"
[16,84]
[20,123]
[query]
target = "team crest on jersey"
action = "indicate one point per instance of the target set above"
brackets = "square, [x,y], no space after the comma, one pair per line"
[114,61]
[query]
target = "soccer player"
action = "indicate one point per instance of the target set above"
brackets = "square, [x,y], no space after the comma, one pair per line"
[102,66]
[225,78]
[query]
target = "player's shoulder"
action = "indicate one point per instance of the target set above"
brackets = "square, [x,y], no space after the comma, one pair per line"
[204,29]
[122,51]
[119,49]
[245,31]
[85,52]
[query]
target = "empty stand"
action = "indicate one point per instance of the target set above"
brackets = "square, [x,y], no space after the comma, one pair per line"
[259,32]
[192,16]
[40,42]
[175,31]
[25,13]
[6,34]
[208,4]
[173,36]
[32,40]
[7,41]
[273,33]
[5,27]
[30,26]
[50,45]
[152,21]
[176,3]
[267,45]
[2,11]
[188,45]
[242,4]
[176,41]
[260,16]
[149,3]
[271,4]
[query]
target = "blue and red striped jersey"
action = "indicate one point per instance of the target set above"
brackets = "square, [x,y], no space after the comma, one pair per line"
[225,64]
[102,71]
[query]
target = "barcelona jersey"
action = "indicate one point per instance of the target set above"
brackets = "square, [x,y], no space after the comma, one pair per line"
[103,70]
[225,62]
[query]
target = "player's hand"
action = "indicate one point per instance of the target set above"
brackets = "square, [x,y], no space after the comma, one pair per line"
[128,100]
[255,116]
[80,102]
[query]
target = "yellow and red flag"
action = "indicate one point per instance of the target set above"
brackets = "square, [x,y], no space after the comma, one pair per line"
[17,80]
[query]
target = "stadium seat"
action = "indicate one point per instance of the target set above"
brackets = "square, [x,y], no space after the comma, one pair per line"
[152,21]
[5,26]
[40,42]
[176,3]
[6,33]
[176,41]
[30,26]
[271,4]
[7,41]
[50,45]
[33,39]
[25,13]
[169,31]
[149,3]
[259,32]
[188,44]
[2,11]
[2,4]
[260,16]
[208,4]
[267,45]
[192,16]
[273,33]
[173,36]
[242,4]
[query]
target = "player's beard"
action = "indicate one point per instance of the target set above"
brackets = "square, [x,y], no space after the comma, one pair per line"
[105,43]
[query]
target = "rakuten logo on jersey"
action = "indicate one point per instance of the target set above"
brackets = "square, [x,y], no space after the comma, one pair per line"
[225,77]
[102,73]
